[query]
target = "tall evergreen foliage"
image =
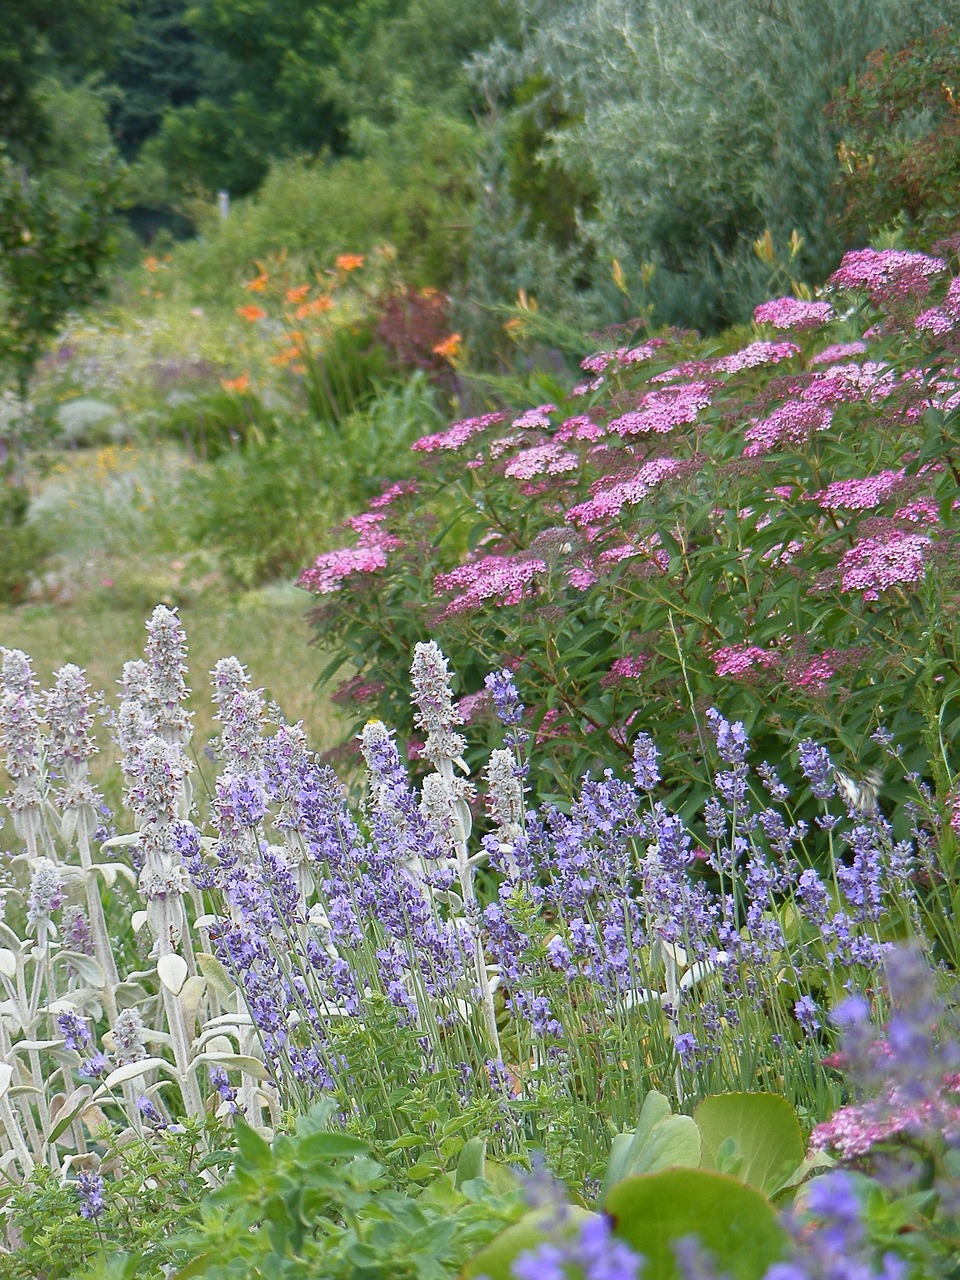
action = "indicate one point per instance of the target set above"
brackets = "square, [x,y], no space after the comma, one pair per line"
[701,126]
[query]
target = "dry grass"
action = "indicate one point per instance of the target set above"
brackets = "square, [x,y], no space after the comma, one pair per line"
[264,629]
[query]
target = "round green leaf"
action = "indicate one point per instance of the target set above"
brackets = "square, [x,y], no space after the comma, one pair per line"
[754,1136]
[652,1212]
[534,1228]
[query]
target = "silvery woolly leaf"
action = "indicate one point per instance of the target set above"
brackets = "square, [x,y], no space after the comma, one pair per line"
[191,993]
[11,939]
[233,1062]
[67,1111]
[216,973]
[8,963]
[29,1046]
[119,842]
[172,971]
[131,1070]
[129,994]
[86,966]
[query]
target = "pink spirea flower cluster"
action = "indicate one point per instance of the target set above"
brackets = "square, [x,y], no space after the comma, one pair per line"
[543,459]
[660,411]
[791,313]
[862,494]
[610,496]
[873,565]
[504,578]
[332,568]
[472,705]
[853,1131]
[850,384]
[754,355]
[839,351]
[942,320]
[581,427]
[888,275]
[535,418]
[391,493]
[813,675]
[923,511]
[734,661]
[789,426]
[457,435]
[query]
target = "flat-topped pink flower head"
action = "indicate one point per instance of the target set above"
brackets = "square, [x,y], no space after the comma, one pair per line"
[792,313]
[888,275]
[457,435]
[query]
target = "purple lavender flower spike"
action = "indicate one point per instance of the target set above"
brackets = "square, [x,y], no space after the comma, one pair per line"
[90,1190]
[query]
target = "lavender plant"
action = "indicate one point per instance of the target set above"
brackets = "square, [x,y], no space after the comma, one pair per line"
[531,982]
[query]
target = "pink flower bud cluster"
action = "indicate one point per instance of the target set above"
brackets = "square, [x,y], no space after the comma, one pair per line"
[942,320]
[862,494]
[535,418]
[623,356]
[839,351]
[457,435]
[610,496]
[332,568]
[624,669]
[754,355]
[544,459]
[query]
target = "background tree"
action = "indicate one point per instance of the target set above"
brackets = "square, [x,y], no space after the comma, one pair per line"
[699,127]
[900,143]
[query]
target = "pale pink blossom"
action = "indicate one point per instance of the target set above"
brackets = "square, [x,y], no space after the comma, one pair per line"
[887,274]
[861,494]
[754,355]
[839,351]
[544,459]
[612,494]
[873,565]
[661,411]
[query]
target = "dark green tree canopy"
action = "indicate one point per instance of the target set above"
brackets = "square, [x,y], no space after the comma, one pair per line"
[41,40]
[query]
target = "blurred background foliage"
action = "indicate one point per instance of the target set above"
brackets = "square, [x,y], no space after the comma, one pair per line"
[500,146]
[580,163]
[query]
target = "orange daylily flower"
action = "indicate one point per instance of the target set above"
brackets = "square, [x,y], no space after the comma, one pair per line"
[240,385]
[284,357]
[252,312]
[151,264]
[449,348]
[315,307]
[298,294]
[350,261]
[259,284]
